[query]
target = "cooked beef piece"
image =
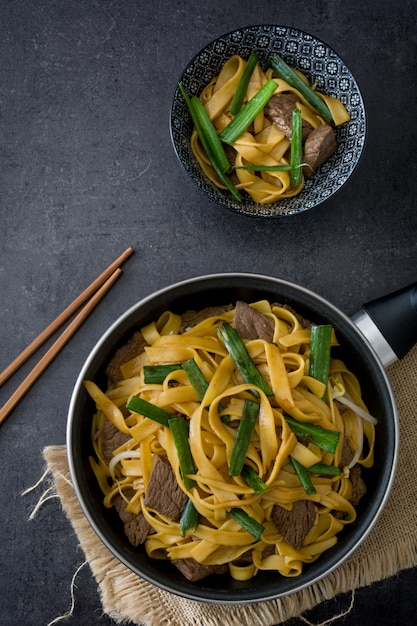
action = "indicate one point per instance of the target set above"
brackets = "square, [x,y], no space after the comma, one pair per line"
[112,439]
[296,523]
[231,154]
[318,148]
[347,454]
[268,551]
[358,484]
[135,526]
[355,475]
[194,571]
[279,110]
[129,350]
[163,493]
[251,324]
[192,318]
[244,559]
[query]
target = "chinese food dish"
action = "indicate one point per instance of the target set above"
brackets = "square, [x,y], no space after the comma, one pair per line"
[229,440]
[266,159]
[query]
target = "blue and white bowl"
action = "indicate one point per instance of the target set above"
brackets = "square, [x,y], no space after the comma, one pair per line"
[321,65]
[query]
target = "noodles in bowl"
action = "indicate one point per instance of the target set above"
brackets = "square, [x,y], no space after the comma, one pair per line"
[230,442]
[261,153]
[325,72]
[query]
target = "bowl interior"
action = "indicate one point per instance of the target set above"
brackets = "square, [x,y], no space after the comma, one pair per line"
[196,294]
[321,65]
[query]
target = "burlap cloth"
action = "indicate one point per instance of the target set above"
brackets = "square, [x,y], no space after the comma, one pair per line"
[389,548]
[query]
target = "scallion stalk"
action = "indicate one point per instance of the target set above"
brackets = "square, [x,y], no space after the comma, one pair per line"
[252,479]
[325,470]
[156,374]
[242,86]
[195,377]
[210,140]
[179,430]
[190,518]
[199,383]
[149,410]
[243,437]
[303,476]
[229,186]
[247,522]
[206,131]
[320,344]
[285,72]
[237,350]
[324,438]
[247,114]
[296,148]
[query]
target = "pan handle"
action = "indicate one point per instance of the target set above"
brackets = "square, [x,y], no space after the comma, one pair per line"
[390,323]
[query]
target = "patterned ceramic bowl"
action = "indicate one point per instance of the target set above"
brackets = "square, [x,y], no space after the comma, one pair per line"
[321,65]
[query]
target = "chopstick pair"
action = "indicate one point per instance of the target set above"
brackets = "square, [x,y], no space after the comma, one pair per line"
[95,291]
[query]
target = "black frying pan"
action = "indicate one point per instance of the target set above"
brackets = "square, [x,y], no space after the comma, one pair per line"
[355,350]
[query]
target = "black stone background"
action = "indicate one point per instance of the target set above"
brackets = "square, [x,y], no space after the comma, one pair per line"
[87,169]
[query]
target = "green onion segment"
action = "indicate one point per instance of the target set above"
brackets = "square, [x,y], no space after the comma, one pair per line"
[296,148]
[149,410]
[189,519]
[237,350]
[243,437]
[320,344]
[324,438]
[325,470]
[247,114]
[179,429]
[156,374]
[285,72]
[240,92]
[252,479]
[210,140]
[247,522]
[196,378]
[206,131]
[302,474]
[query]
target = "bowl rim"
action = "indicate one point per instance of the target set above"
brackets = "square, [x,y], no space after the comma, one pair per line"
[250,208]
[183,589]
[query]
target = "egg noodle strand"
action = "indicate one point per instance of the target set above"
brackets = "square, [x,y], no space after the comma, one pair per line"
[284,364]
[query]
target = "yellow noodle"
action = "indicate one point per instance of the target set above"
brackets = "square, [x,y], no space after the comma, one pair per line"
[225,86]
[284,364]
[263,143]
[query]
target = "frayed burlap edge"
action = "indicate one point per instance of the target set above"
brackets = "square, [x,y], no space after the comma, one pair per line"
[390,547]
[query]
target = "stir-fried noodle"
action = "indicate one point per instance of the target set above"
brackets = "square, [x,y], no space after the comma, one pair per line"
[274,450]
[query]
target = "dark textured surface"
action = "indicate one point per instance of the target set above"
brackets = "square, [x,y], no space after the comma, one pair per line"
[87,169]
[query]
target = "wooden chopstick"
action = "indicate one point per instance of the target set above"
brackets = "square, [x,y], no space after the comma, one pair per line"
[63,317]
[56,347]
